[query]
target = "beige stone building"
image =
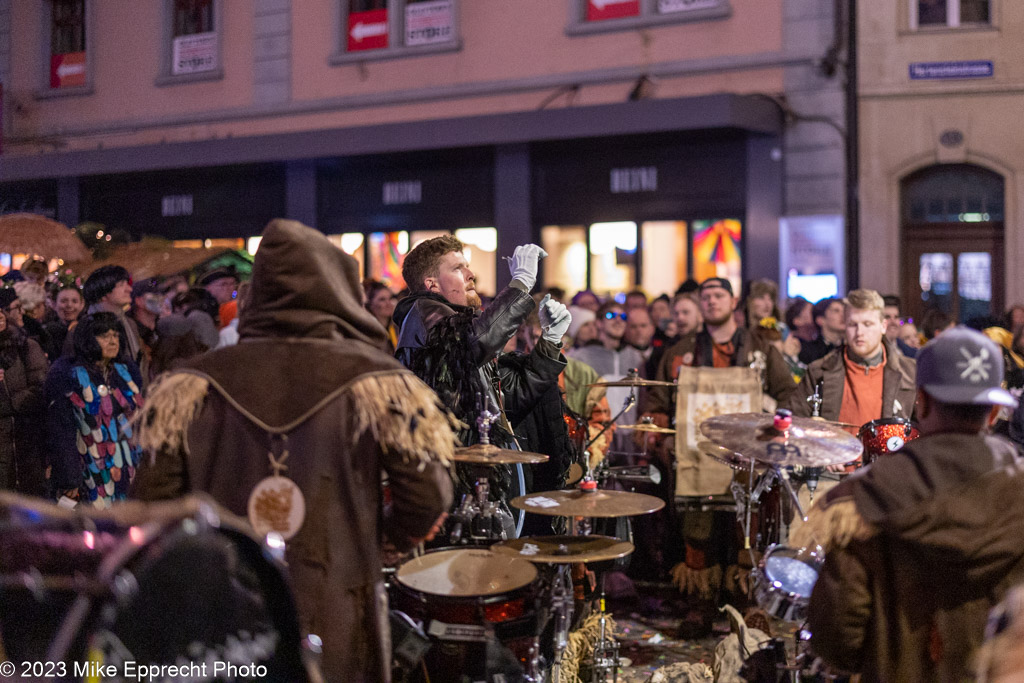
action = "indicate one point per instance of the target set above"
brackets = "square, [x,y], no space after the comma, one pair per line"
[941,86]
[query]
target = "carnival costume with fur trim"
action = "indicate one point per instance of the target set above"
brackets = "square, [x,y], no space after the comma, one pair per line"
[307,395]
[919,546]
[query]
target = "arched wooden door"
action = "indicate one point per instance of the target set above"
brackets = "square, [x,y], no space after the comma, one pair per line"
[952,242]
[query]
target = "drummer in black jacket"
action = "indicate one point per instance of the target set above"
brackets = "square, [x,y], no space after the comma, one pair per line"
[455,347]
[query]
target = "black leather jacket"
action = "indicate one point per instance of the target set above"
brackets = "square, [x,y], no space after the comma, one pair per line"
[518,385]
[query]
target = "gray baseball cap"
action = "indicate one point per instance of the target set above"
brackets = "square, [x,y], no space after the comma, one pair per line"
[963,366]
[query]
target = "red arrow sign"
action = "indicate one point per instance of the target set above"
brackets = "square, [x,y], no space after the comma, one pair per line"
[367,30]
[598,10]
[67,70]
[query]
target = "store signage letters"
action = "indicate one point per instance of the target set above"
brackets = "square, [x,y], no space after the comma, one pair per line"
[642,179]
[176,205]
[405,192]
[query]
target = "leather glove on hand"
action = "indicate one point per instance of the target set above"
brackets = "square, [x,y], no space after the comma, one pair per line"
[554,319]
[523,264]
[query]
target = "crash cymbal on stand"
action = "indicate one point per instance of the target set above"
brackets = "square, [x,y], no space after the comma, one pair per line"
[598,503]
[565,549]
[489,454]
[806,442]
[647,427]
[633,382]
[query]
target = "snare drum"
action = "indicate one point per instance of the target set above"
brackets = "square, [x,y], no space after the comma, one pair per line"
[155,584]
[885,436]
[469,600]
[785,578]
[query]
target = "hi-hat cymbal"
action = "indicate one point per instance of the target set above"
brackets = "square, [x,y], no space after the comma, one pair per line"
[647,427]
[807,443]
[565,549]
[489,454]
[577,503]
[726,457]
[631,381]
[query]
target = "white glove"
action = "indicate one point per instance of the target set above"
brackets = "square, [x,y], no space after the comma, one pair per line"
[554,319]
[523,264]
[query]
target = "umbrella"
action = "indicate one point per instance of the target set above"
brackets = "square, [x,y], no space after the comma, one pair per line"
[27,233]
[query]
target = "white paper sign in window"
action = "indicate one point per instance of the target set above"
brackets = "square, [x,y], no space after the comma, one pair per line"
[194,53]
[427,23]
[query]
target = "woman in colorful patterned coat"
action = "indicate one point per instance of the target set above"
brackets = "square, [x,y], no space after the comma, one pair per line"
[92,396]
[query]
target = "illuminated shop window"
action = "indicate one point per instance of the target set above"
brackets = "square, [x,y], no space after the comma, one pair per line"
[481,252]
[612,257]
[716,250]
[663,256]
[566,262]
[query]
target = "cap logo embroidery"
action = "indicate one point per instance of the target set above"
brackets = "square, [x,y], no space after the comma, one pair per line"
[975,368]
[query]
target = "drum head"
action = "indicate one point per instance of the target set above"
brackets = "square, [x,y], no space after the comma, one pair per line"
[791,570]
[467,572]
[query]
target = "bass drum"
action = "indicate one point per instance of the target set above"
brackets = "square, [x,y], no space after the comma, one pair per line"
[885,437]
[480,610]
[153,584]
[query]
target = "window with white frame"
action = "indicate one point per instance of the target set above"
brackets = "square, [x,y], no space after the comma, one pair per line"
[381,29]
[950,13]
[592,16]
[69,65]
[192,44]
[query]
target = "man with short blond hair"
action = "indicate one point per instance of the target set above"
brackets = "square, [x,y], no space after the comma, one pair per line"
[865,379]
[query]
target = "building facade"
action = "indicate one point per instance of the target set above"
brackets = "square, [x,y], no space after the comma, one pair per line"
[641,141]
[941,160]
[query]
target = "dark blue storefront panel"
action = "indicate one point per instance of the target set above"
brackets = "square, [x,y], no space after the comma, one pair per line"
[224,201]
[30,196]
[441,190]
[643,177]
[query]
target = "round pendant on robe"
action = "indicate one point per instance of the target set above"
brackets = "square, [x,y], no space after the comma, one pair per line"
[103,390]
[276,504]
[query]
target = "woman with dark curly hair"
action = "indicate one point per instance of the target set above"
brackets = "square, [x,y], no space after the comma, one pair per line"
[92,395]
[22,373]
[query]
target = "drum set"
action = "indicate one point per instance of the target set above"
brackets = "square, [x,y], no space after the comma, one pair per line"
[493,607]
[775,449]
[499,608]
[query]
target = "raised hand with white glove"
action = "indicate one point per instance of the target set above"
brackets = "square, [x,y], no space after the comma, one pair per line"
[554,319]
[524,263]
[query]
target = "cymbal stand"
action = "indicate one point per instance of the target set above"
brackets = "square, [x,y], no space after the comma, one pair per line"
[606,649]
[478,519]
[562,604]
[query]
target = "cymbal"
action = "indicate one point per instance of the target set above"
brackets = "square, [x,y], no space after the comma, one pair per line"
[630,381]
[489,454]
[835,423]
[564,549]
[599,503]
[647,427]
[726,457]
[807,443]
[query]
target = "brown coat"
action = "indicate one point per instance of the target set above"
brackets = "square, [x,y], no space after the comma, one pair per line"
[22,414]
[919,547]
[309,383]
[899,390]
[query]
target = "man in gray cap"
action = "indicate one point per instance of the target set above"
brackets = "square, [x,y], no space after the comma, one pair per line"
[921,544]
